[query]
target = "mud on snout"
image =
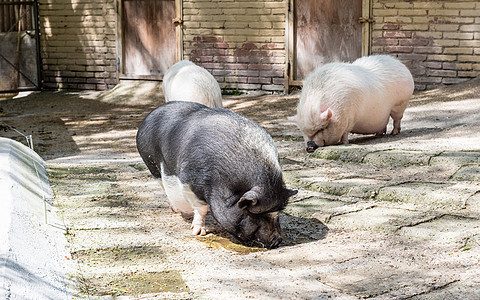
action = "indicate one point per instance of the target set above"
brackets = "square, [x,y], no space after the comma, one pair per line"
[260,230]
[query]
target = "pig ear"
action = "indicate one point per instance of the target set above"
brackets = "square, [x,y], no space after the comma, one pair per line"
[248,200]
[326,115]
[292,118]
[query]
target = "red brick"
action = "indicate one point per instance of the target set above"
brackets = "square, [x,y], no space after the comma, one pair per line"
[261,53]
[397,34]
[207,39]
[272,73]
[222,58]
[249,46]
[434,64]
[442,73]
[262,80]
[212,65]
[263,67]
[236,66]
[450,80]
[391,26]
[385,42]
[248,86]
[428,50]
[248,73]
[221,45]
[413,42]
[250,59]
[428,79]
[204,59]
[241,52]
[236,79]
[217,72]
[412,56]
[272,87]
[203,45]
[402,49]
[207,52]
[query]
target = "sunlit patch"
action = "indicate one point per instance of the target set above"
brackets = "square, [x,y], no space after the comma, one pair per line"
[219,242]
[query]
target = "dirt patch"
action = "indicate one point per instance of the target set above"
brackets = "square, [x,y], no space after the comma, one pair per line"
[135,284]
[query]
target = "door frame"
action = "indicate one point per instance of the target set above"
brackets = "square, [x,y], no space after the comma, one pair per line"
[366,19]
[177,20]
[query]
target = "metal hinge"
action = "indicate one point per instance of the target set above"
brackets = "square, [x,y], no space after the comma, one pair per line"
[365,20]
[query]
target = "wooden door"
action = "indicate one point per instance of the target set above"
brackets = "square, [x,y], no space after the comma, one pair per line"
[149,38]
[322,31]
[20,67]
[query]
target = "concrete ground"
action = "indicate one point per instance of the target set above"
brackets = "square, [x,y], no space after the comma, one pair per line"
[384,217]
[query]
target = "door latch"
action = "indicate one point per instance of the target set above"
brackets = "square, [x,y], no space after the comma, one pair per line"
[177,21]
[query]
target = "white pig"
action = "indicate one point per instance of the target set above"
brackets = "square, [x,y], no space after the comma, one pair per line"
[185,81]
[339,98]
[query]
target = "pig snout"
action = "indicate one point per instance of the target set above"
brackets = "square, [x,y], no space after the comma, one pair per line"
[311,146]
[275,242]
[270,243]
[270,233]
[260,230]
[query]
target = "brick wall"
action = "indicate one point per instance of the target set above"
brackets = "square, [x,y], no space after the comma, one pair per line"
[78,46]
[438,40]
[242,43]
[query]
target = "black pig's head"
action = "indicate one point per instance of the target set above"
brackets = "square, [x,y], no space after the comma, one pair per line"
[253,216]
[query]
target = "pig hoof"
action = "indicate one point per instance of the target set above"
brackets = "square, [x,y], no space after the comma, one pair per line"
[395,131]
[198,230]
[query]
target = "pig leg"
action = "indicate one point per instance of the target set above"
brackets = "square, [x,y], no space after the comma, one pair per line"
[200,210]
[345,138]
[384,130]
[397,115]
[397,118]
[198,223]
[173,188]
[396,127]
[172,207]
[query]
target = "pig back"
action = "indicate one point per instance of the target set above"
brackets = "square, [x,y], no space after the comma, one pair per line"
[395,79]
[185,81]
[157,129]
[224,152]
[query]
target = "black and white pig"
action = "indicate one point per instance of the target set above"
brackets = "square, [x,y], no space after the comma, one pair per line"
[213,158]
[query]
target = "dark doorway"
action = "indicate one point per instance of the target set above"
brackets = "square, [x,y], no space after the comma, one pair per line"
[19,46]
